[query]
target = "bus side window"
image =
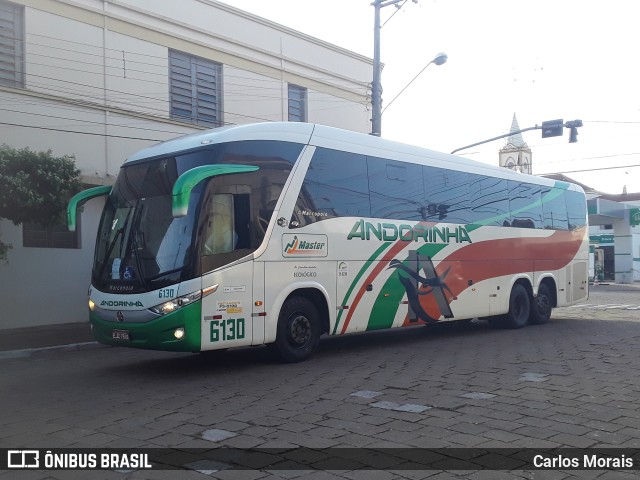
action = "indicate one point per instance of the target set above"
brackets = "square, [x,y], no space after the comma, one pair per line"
[554,209]
[335,185]
[576,209]
[446,195]
[525,204]
[490,201]
[395,189]
[220,236]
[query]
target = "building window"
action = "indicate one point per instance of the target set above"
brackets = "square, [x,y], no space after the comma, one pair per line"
[11,45]
[297,103]
[55,236]
[195,88]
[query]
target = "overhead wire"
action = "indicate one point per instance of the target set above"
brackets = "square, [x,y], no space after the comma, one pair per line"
[100,49]
[147,102]
[140,98]
[81,133]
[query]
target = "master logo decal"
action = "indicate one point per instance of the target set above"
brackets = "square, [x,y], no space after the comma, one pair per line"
[304,245]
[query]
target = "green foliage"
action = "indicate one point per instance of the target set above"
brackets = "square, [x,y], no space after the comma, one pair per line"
[35,186]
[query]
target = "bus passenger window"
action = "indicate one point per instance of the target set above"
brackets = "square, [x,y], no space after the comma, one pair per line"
[576,209]
[220,236]
[335,185]
[525,203]
[554,209]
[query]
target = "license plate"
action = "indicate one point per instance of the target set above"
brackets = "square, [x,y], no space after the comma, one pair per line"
[120,334]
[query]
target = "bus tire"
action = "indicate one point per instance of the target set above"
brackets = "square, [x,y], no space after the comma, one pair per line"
[298,330]
[542,306]
[519,308]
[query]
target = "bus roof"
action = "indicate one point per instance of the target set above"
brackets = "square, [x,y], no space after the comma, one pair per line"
[337,139]
[295,132]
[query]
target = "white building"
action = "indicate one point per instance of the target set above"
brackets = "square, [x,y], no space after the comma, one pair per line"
[101,79]
[614,234]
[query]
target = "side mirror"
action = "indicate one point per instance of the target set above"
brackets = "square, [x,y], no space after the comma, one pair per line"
[80,198]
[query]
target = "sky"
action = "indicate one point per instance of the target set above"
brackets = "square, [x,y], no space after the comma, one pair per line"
[540,59]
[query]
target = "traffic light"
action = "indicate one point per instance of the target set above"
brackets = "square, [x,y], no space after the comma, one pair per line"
[552,128]
[573,130]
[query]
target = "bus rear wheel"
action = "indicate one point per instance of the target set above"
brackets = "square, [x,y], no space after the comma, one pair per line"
[519,308]
[298,330]
[542,306]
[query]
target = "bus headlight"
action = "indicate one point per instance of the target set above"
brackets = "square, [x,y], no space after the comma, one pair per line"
[176,303]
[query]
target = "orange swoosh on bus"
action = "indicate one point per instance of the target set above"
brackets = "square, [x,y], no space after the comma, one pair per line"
[526,254]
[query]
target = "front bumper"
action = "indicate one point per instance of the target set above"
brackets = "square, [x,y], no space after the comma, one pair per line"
[155,334]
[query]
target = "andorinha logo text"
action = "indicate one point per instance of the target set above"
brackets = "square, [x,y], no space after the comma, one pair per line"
[121,303]
[389,232]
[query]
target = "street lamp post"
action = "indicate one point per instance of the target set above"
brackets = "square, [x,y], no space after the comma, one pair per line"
[376,85]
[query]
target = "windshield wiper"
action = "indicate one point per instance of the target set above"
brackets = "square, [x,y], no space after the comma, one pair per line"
[134,243]
[119,232]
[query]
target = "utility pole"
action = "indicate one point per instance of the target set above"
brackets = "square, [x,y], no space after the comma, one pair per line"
[376,87]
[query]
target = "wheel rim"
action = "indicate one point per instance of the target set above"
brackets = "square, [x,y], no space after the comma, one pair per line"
[299,330]
[543,304]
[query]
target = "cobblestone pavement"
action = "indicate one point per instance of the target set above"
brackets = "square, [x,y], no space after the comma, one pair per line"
[569,383]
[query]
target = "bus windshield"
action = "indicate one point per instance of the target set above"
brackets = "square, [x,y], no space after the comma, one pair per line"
[142,247]
[139,242]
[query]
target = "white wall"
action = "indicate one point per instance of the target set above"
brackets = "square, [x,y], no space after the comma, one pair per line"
[43,286]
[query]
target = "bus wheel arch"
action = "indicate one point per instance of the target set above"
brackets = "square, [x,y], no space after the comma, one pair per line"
[544,302]
[302,319]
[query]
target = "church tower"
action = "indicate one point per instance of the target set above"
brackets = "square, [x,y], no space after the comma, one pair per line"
[516,154]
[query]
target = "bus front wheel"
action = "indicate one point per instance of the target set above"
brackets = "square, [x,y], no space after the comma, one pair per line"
[298,330]
[519,308]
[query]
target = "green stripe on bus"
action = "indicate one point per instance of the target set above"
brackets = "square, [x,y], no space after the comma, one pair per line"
[388,300]
[375,255]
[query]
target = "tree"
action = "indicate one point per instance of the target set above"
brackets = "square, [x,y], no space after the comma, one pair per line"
[35,187]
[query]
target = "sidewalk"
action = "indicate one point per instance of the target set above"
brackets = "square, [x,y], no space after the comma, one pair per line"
[45,336]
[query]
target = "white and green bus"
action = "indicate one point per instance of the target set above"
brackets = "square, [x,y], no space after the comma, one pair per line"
[278,233]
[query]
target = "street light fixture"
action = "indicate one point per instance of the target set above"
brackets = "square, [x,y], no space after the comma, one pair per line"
[376,86]
[438,60]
